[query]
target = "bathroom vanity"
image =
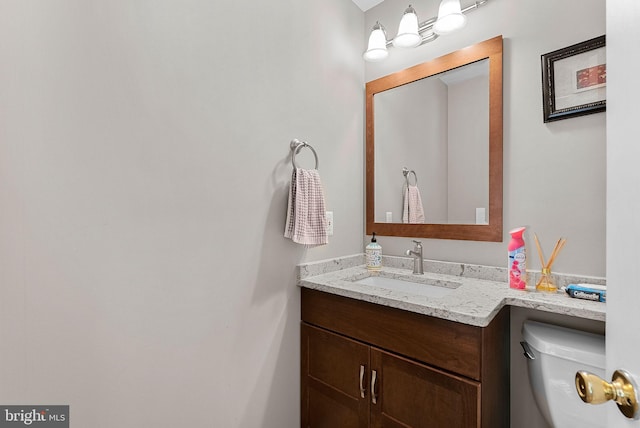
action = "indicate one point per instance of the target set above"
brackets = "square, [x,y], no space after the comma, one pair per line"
[365,364]
[372,355]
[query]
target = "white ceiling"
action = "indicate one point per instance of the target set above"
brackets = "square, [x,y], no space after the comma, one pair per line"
[367,4]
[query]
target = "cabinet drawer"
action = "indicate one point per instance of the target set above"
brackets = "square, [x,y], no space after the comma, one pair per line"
[445,344]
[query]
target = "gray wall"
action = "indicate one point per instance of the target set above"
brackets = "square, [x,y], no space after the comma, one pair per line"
[144,169]
[468,170]
[554,174]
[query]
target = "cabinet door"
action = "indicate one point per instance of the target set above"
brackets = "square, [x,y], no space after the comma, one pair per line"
[334,380]
[409,394]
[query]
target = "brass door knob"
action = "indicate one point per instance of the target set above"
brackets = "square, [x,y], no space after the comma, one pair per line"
[594,390]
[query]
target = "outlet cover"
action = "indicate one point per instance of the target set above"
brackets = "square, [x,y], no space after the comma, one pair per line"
[329,217]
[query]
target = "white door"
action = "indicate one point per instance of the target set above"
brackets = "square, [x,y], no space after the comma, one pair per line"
[623,195]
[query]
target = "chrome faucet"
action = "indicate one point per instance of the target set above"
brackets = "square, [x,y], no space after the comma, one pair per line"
[418,267]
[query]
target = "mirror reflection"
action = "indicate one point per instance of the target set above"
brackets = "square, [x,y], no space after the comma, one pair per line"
[432,149]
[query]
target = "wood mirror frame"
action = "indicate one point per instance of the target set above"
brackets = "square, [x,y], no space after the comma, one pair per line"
[492,50]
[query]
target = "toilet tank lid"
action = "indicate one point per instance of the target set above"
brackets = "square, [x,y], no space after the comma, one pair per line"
[570,344]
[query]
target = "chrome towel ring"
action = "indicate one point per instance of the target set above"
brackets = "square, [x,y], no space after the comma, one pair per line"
[406,172]
[296,146]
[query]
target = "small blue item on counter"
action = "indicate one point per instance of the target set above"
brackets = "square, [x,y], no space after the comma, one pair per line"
[597,293]
[373,254]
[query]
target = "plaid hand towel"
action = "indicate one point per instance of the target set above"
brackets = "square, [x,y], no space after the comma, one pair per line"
[413,211]
[306,223]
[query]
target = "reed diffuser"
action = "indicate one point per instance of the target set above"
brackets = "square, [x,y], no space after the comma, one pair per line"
[546,281]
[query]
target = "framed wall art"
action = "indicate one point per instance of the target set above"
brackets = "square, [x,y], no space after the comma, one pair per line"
[574,80]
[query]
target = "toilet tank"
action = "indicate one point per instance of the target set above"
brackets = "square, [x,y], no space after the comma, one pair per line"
[558,353]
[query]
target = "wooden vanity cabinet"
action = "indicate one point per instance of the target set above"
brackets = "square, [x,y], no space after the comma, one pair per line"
[367,365]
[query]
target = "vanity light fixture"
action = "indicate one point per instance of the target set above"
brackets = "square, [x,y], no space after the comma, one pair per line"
[412,33]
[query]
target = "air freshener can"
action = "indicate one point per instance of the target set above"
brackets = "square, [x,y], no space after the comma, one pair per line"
[517,262]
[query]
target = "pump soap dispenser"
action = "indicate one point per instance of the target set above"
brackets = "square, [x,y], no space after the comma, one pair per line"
[373,254]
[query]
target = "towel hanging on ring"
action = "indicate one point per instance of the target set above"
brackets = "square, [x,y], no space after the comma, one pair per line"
[413,211]
[306,222]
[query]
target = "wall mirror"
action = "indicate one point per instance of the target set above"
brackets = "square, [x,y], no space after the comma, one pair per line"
[435,131]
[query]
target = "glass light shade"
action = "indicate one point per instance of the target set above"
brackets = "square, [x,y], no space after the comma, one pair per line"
[377,47]
[450,17]
[408,36]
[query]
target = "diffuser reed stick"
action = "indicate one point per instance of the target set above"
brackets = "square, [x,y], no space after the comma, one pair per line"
[556,251]
[540,254]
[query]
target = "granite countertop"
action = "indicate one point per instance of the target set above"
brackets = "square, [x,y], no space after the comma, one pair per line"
[479,291]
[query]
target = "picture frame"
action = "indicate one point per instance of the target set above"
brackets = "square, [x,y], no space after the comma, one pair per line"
[574,80]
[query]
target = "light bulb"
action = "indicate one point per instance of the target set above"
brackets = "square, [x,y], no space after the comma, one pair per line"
[377,47]
[408,36]
[450,17]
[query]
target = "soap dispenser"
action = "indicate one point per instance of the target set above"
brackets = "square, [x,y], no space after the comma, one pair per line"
[373,254]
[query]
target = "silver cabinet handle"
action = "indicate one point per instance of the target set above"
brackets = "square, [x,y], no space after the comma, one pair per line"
[362,390]
[374,397]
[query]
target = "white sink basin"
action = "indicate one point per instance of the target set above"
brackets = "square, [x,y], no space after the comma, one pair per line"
[409,287]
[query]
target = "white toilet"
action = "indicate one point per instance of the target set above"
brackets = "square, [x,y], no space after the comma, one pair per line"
[554,355]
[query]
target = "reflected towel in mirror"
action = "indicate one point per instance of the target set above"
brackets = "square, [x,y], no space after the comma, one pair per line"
[413,212]
[306,223]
